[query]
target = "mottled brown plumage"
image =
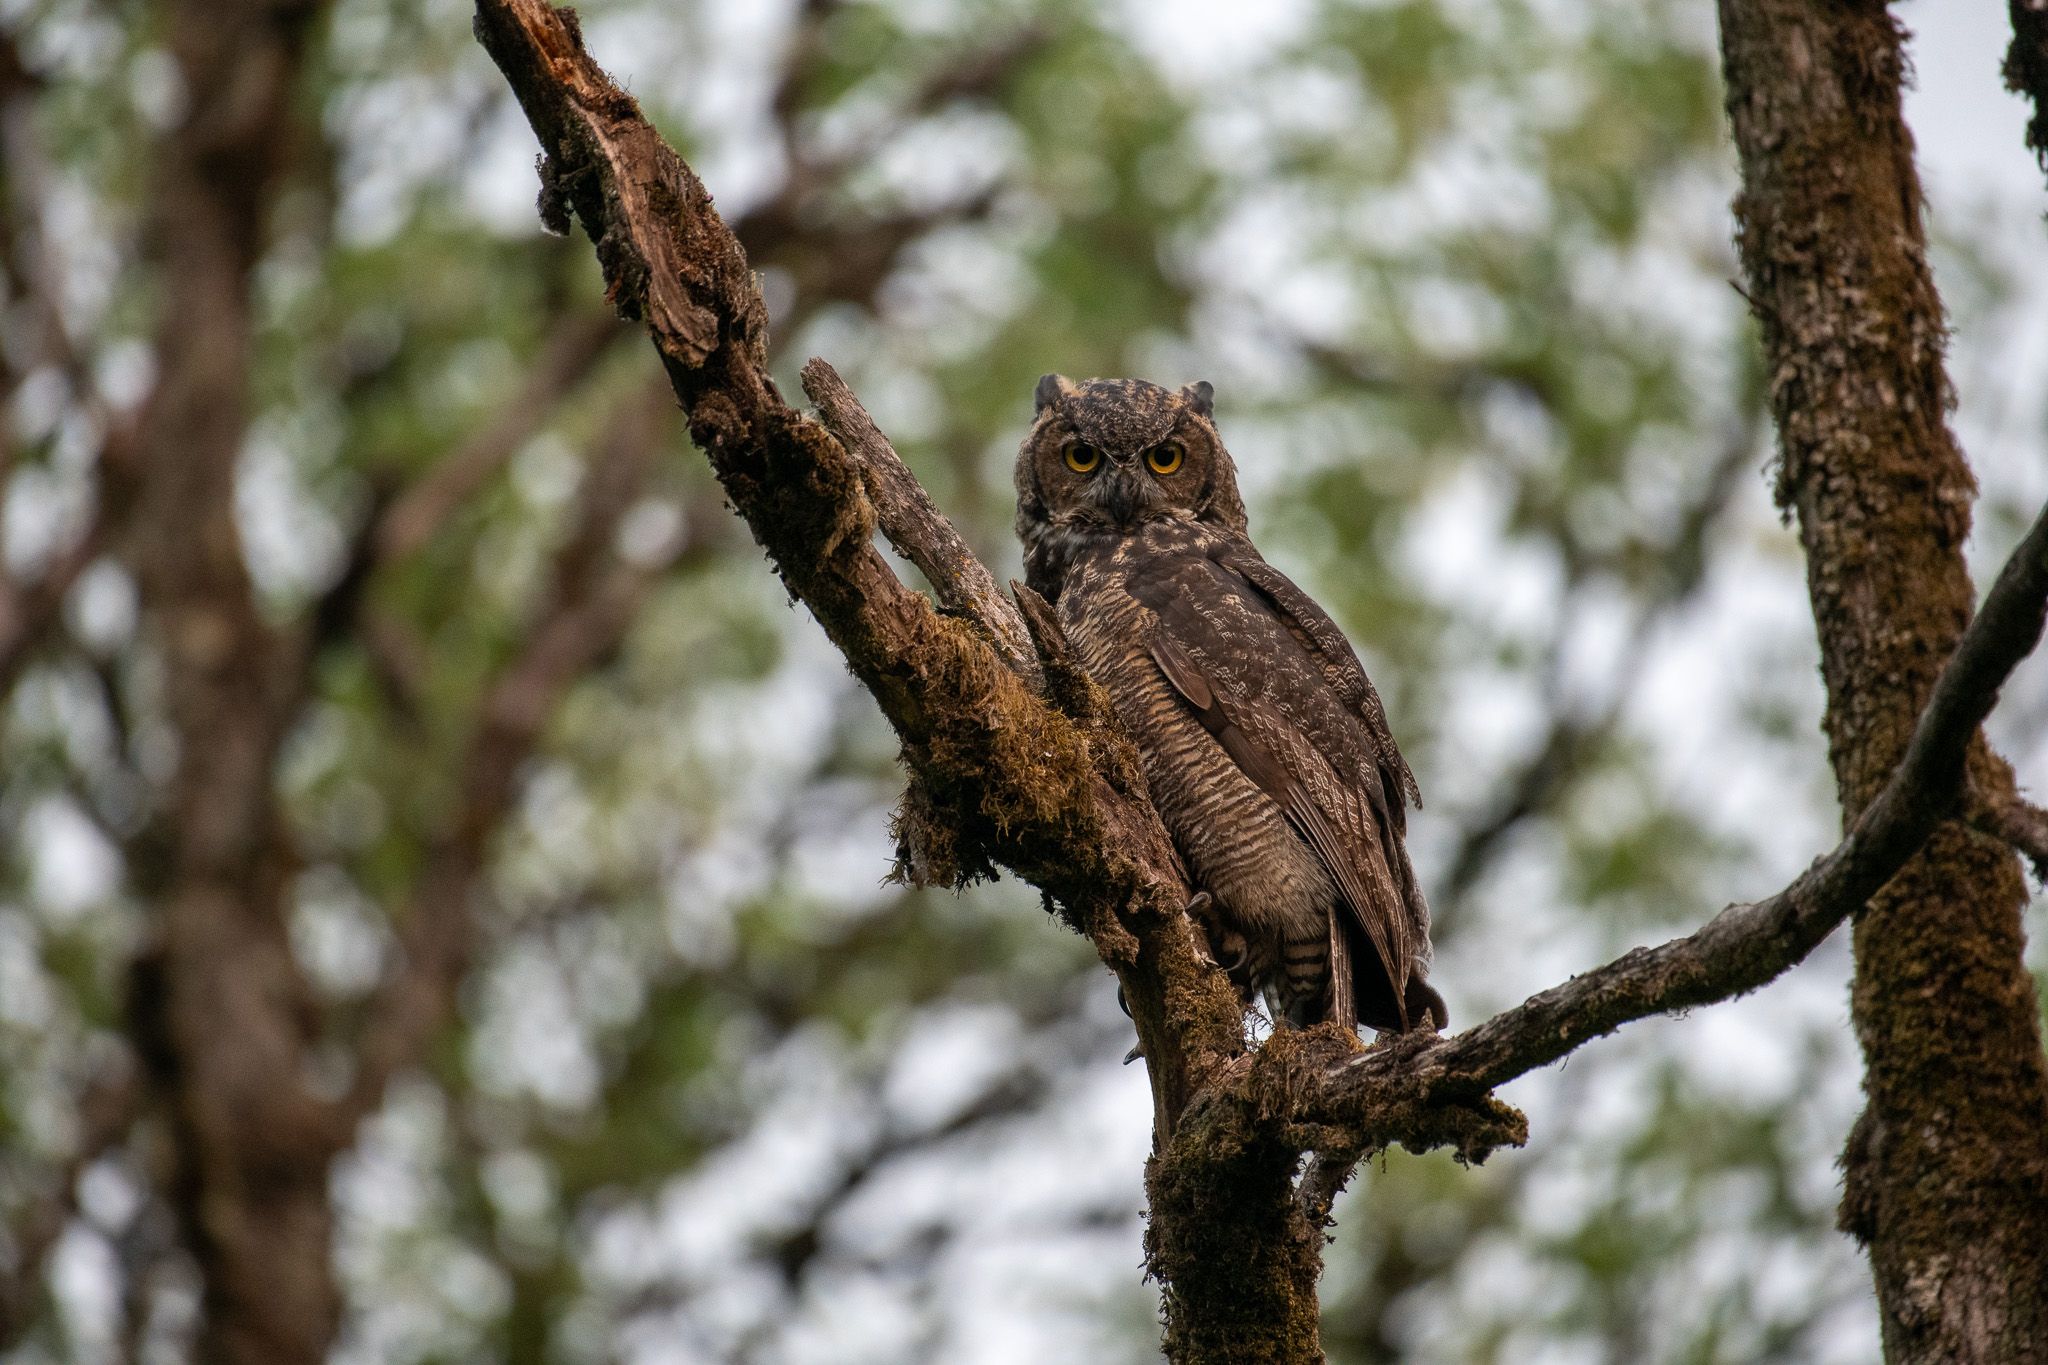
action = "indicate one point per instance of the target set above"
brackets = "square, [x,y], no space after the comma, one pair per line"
[1265,746]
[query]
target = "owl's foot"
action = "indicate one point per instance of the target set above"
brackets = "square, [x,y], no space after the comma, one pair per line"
[1221,945]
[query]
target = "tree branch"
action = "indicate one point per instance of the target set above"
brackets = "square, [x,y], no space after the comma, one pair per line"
[1743,947]
[1000,776]
[916,527]
[2016,822]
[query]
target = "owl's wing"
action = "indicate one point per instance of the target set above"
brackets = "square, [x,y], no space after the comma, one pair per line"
[1343,821]
[1318,634]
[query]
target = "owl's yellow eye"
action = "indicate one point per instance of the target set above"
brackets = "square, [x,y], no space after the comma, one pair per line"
[1082,457]
[1166,458]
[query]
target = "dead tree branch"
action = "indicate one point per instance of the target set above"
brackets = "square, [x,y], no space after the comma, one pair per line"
[2017,822]
[906,514]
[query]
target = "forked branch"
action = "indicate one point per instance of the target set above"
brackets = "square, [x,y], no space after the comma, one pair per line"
[1008,769]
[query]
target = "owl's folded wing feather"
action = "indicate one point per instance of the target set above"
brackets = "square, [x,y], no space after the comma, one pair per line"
[1321,637]
[1338,821]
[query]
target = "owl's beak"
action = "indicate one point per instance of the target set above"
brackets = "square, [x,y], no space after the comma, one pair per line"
[1123,492]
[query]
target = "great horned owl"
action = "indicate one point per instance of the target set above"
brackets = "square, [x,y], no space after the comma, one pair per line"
[1264,744]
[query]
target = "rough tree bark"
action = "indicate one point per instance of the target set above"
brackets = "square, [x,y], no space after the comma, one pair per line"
[1946,1173]
[1015,763]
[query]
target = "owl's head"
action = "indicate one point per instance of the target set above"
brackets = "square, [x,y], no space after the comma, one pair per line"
[1111,454]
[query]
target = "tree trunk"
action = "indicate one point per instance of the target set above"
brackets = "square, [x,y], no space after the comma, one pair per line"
[1237,1261]
[219,1011]
[1946,1175]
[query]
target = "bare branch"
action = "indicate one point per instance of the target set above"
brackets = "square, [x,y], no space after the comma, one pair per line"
[916,527]
[1322,1181]
[2019,823]
[1744,946]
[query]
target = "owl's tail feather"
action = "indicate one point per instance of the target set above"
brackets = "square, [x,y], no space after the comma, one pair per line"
[1343,996]
[1372,992]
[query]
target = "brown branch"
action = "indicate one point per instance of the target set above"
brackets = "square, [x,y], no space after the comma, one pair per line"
[1385,1094]
[1000,777]
[915,526]
[2016,822]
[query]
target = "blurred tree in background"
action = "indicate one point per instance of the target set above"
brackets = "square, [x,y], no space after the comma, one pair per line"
[585,932]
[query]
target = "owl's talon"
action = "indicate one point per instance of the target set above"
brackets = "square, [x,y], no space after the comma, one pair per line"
[1137,1049]
[1201,909]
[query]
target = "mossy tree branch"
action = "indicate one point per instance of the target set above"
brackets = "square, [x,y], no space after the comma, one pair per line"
[1015,763]
[1001,774]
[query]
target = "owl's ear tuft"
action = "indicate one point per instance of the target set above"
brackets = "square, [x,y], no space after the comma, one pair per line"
[1201,396]
[1051,388]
